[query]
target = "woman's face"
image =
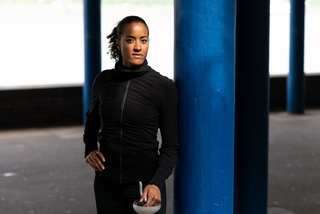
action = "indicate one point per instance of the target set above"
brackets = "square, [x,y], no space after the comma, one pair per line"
[134,44]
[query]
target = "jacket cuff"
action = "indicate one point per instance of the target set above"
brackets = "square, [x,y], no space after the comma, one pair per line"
[89,148]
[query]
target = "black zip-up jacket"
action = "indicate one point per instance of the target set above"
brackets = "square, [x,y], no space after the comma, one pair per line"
[127,108]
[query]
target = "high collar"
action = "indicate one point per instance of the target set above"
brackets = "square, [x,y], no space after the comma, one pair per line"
[143,68]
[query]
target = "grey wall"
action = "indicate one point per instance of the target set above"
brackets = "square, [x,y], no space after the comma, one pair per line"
[63,106]
[278,93]
[40,107]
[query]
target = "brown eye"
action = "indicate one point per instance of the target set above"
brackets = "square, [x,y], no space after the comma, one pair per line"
[143,41]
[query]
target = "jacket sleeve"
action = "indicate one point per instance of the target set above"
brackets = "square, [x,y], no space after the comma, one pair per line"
[169,134]
[92,123]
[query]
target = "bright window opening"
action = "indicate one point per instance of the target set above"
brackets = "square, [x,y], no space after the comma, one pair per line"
[280,37]
[41,41]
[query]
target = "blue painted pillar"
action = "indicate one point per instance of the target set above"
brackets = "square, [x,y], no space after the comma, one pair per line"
[296,78]
[92,48]
[205,77]
[252,107]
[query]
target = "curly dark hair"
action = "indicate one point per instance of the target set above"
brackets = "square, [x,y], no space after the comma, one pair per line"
[117,32]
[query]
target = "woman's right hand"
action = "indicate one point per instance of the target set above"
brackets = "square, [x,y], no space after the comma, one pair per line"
[94,159]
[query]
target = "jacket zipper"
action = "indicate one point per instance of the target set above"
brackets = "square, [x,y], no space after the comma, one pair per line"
[121,127]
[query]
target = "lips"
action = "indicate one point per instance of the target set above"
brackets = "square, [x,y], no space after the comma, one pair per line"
[137,56]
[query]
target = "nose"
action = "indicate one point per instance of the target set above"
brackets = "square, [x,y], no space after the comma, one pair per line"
[137,46]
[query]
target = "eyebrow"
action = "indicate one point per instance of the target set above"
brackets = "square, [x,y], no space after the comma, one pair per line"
[135,37]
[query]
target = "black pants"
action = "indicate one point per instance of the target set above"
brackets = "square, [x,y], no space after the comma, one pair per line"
[115,198]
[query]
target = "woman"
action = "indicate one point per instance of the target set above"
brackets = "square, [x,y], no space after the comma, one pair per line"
[129,104]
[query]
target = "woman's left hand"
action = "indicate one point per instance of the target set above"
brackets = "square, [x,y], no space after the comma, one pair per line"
[154,195]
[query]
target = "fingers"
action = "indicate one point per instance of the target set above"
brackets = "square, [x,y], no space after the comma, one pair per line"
[153,201]
[101,156]
[94,161]
[154,195]
[144,194]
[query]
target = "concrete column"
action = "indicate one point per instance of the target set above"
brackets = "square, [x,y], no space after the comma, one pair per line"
[205,76]
[92,48]
[296,78]
[252,107]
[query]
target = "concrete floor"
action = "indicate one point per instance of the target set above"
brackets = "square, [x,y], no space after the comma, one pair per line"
[294,163]
[42,170]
